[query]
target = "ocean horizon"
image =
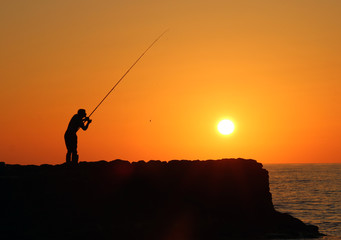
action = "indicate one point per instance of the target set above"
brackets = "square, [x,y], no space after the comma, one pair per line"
[309,192]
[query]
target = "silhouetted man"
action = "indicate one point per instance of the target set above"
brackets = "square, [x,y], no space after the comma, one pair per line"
[76,122]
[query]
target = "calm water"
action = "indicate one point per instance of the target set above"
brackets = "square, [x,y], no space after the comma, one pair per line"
[310,192]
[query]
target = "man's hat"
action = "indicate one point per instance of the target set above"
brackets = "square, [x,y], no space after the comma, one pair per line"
[82,112]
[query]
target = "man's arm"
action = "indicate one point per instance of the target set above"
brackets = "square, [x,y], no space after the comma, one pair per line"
[85,127]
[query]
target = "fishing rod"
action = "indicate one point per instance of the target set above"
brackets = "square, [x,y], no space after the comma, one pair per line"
[150,46]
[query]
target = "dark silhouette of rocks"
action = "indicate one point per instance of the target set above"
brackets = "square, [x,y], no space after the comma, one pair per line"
[213,199]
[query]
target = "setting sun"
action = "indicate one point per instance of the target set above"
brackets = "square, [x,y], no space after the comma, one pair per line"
[225,127]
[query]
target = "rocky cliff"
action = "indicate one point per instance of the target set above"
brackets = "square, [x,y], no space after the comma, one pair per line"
[213,199]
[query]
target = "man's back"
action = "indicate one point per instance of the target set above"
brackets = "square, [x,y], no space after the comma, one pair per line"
[75,123]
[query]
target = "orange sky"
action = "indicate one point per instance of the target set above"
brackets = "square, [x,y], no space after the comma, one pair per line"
[273,67]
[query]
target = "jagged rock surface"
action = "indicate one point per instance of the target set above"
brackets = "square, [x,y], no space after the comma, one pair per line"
[213,199]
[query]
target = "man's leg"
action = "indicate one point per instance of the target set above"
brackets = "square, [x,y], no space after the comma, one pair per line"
[68,157]
[69,143]
[74,157]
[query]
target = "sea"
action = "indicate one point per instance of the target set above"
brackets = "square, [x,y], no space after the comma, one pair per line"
[309,192]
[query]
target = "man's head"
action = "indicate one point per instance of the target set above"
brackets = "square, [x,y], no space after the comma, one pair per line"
[82,113]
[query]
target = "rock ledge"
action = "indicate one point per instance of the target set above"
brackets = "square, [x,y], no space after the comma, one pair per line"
[212,199]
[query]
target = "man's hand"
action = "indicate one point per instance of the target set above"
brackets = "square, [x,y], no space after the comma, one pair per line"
[87,119]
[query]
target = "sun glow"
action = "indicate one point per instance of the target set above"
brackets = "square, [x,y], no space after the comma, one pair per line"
[225,127]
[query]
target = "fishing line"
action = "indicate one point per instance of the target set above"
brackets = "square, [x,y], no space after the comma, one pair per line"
[150,46]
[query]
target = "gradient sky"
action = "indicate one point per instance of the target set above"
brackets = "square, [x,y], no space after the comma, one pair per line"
[273,67]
